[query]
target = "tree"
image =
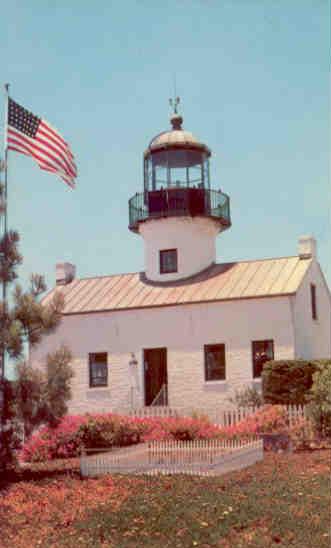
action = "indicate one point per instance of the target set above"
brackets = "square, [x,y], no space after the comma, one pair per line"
[27,319]
[41,395]
[10,438]
[24,321]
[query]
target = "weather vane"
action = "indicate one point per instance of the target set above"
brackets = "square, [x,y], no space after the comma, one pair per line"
[176,100]
[174,103]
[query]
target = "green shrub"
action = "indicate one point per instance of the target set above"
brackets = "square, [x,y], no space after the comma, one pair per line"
[247,397]
[319,407]
[288,381]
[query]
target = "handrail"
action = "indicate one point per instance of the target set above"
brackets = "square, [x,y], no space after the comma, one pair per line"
[179,201]
[162,397]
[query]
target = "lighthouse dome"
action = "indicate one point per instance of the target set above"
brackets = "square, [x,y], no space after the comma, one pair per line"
[174,137]
[177,137]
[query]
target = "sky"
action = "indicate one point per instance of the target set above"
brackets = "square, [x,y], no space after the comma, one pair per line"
[253,77]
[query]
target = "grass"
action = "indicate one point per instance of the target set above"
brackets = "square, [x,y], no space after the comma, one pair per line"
[283,501]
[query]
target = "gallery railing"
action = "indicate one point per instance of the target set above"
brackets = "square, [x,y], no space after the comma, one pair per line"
[175,202]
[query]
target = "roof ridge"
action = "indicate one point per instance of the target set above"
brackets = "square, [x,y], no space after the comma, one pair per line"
[263,259]
[109,275]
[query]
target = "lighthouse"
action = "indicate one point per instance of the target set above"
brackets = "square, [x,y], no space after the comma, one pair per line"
[186,333]
[178,214]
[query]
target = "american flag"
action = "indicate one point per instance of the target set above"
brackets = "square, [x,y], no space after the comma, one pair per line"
[33,136]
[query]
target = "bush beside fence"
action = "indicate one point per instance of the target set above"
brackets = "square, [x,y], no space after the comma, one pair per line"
[220,416]
[95,431]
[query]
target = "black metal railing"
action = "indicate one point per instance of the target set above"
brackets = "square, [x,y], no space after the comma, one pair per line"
[176,202]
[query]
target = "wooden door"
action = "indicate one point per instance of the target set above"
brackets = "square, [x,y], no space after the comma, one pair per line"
[155,363]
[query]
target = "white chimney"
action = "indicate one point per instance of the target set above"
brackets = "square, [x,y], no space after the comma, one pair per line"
[65,273]
[307,247]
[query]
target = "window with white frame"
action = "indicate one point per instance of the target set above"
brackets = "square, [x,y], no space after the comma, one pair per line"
[168,261]
[98,369]
[262,351]
[214,362]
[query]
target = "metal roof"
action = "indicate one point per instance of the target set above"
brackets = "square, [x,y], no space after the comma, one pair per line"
[227,281]
[177,137]
[173,137]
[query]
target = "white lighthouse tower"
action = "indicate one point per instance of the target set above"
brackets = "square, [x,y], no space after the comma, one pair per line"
[178,215]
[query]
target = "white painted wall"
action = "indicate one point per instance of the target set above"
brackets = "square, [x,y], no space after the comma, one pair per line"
[183,330]
[312,337]
[193,237]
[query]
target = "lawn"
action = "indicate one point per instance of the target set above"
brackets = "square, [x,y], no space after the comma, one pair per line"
[282,501]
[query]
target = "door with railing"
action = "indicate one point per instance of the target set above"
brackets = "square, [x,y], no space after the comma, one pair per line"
[156,382]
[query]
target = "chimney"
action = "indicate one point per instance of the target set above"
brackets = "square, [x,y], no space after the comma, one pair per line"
[65,273]
[307,247]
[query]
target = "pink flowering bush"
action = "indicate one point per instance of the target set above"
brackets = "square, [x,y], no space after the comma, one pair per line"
[75,432]
[106,430]
[63,441]
[179,428]
[155,429]
[37,449]
[269,419]
[188,429]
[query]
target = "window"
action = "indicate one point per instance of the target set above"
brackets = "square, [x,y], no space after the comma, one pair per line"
[214,362]
[98,369]
[262,351]
[313,301]
[168,261]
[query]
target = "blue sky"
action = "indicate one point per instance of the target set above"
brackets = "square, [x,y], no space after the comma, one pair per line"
[253,77]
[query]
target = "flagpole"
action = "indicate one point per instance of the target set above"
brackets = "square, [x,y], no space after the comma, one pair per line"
[4,285]
[6,173]
[5,214]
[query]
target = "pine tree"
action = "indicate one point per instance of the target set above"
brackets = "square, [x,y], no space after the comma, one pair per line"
[23,321]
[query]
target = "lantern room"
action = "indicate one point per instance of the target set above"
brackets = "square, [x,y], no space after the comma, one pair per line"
[176,159]
[177,180]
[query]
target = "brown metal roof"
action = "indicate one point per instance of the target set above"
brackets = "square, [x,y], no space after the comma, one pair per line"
[227,281]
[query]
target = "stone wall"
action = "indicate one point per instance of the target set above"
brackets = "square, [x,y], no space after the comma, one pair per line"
[183,330]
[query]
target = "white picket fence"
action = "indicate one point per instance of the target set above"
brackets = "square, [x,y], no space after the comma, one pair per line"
[220,416]
[200,457]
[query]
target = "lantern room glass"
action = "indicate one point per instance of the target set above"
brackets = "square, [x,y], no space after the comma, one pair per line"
[176,168]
